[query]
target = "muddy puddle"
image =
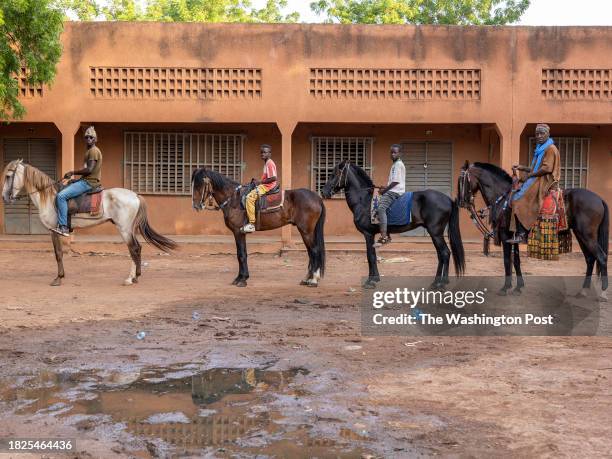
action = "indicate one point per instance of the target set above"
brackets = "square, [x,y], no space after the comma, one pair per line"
[223,412]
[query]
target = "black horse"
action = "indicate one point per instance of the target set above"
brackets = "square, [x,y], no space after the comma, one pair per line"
[301,208]
[430,209]
[588,217]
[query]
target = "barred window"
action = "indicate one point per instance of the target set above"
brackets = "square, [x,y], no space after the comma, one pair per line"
[574,153]
[162,162]
[327,152]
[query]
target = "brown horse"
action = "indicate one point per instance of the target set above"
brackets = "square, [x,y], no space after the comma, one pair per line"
[301,208]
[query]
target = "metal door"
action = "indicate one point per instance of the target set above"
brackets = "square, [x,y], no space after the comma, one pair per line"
[22,217]
[429,165]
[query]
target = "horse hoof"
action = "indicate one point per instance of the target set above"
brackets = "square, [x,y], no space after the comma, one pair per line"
[241,283]
[517,292]
[128,282]
[304,282]
[135,280]
[369,285]
[56,282]
[375,279]
[502,292]
[312,284]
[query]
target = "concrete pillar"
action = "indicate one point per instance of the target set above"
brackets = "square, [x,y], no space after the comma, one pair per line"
[510,143]
[68,130]
[286,130]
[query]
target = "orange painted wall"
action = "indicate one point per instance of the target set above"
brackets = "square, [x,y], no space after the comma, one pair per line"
[511,61]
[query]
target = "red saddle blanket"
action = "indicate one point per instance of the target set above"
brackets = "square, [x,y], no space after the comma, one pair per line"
[550,235]
[270,202]
[86,204]
[554,206]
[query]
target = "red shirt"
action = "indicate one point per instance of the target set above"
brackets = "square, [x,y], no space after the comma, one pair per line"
[269,171]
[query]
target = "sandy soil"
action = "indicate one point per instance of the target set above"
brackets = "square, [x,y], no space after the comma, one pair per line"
[502,396]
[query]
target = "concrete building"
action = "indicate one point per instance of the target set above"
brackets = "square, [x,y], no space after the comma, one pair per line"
[167,97]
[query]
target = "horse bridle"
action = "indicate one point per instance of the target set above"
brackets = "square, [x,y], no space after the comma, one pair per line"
[14,197]
[477,216]
[346,168]
[341,186]
[208,196]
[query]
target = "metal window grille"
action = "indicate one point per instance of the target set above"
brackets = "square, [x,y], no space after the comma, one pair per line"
[162,162]
[327,152]
[574,153]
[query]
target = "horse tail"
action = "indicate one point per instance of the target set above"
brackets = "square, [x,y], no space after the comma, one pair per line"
[603,234]
[141,224]
[319,242]
[454,234]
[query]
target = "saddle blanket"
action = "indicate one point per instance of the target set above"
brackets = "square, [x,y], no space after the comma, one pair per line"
[270,202]
[400,212]
[88,203]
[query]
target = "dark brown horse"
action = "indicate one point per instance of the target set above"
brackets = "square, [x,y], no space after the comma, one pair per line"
[588,218]
[301,208]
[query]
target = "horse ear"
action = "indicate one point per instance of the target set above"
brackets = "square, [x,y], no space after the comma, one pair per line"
[467,164]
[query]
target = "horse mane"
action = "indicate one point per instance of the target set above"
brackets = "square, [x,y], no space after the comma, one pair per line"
[363,175]
[495,170]
[34,179]
[219,181]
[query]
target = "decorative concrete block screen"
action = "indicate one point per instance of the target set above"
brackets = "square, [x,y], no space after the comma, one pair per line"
[327,152]
[162,162]
[400,84]
[174,83]
[26,89]
[577,84]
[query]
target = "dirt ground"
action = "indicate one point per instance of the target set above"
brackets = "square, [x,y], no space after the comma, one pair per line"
[459,396]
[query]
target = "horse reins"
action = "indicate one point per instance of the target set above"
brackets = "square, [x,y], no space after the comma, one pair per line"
[476,215]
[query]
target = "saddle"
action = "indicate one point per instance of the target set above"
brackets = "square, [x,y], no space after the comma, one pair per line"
[271,201]
[400,212]
[87,205]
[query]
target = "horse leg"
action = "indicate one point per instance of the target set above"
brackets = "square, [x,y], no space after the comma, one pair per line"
[443,261]
[134,247]
[135,252]
[590,263]
[59,258]
[241,253]
[507,248]
[373,275]
[516,258]
[313,275]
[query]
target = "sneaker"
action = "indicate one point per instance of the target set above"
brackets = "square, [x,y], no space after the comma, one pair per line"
[519,238]
[248,228]
[382,241]
[62,231]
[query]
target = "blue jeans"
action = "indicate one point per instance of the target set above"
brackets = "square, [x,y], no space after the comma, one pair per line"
[61,200]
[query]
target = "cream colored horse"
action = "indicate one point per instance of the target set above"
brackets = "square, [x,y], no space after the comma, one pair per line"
[122,207]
